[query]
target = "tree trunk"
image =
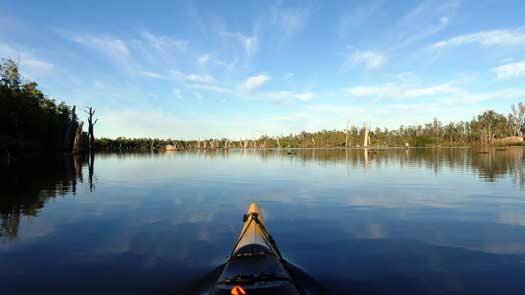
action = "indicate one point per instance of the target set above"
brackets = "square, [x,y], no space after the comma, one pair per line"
[367,139]
[77,144]
[347,135]
[71,130]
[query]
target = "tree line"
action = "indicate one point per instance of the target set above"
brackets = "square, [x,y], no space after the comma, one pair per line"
[32,121]
[489,127]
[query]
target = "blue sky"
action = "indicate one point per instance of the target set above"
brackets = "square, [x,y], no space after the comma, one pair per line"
[184,69]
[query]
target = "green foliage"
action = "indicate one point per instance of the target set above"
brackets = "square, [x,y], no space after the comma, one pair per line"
[483,129]
[422,141]
[28,119]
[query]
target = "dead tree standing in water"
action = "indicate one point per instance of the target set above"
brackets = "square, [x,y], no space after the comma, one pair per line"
[347,133]
[77,144]
[91,169]
[91,111]
[367,138]
[71,131]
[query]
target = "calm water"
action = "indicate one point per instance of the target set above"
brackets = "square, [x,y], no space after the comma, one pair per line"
[411,222]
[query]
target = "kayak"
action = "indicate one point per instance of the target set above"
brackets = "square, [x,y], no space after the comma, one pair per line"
[255,265]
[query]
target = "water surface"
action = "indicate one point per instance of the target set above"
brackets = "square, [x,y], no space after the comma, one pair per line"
[417,221]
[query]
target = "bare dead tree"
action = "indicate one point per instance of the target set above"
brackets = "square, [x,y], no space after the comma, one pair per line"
[518,115]
[91,169]
[91,124]
[77,144]
[71,131]
[347,133]
[367,138]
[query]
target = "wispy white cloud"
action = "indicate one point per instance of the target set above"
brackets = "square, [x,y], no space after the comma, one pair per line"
[356,16]
[150,74]
[206,78]
[29,64]
[112,47]
[423,21]
[413,108]
[510,70]
[33,65]
[164,42]
[178,75]
[290,20]
[371,60]
[144,123]
[333,108]
[197,94]
[248,43]
[210,60]
[255,82]
[210,88]
[304,96]
[400,91]
[178,93]
[285,95]
[468,97]
[203,59]
[486,38]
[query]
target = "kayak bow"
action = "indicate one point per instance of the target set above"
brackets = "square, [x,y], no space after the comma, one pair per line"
[255,265]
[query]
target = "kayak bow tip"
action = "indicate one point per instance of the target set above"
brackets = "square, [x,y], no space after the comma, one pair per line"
[254,208]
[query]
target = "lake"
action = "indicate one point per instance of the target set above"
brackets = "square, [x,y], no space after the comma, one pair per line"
[414,221]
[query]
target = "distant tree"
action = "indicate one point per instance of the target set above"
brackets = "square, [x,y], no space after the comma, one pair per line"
[518,118]
[29,120]
[91,124]
[9,73]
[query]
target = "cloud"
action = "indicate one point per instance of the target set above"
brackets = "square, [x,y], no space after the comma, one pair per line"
[254,82]
[193,78]
[416,108]
[164,42]
[248,43]
[177,93]
[29,64]
[304,96]
[145,123]
[286,95]
[423,21]
[206,79]
[510,70]
[356,16]
[153,75]
[203,59]
[371,60]
[400,91]
[197,94]
[289,76]
[114,48]
[431,91]
[290,20]
[210,88]
[209,60]
[493,38]
[467,97]
[331,108]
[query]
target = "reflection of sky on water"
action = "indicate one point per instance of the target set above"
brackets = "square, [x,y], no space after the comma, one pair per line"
[417,221]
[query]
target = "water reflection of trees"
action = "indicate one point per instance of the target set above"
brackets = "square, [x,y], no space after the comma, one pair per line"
[30,181]
[489,164]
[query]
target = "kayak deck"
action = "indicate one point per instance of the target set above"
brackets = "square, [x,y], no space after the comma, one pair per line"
[255,264]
